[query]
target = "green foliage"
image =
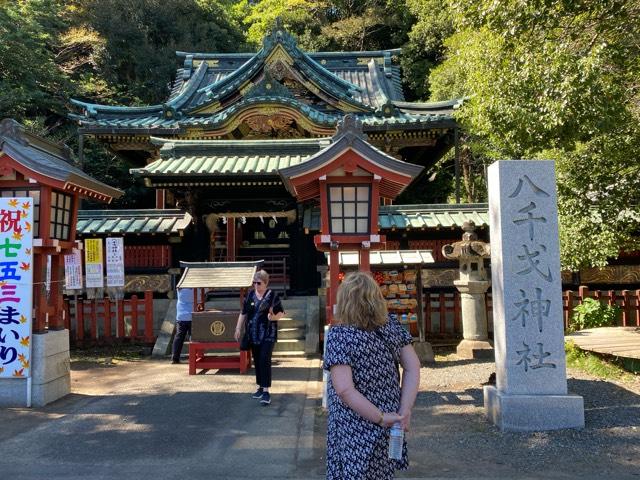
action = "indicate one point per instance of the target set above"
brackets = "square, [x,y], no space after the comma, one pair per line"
[141,38]
[329,25]
[556,79]
[30,82]
[591,313]
[593,364]
[425,48]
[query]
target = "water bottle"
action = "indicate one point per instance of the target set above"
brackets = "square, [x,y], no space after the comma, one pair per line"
[396,438]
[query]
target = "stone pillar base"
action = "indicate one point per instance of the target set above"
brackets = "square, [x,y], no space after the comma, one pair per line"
[424,352]
[475,349]
[51,372]
[526,413]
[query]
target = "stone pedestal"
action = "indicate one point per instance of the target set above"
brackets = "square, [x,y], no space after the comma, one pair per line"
[51,367]
[531,384]
[524,413]
[475,343]
[424,352]
[51,378]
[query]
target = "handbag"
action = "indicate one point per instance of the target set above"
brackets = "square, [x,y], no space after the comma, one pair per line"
[245,341]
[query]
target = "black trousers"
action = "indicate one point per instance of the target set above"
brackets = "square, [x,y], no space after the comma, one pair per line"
[262,361]
[183,328]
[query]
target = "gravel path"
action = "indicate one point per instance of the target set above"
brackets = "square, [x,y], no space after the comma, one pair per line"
[451,438]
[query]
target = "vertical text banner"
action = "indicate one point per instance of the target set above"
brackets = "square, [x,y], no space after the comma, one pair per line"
[115,262]
[16,286]
[525,274]
[94,277]
[73,271]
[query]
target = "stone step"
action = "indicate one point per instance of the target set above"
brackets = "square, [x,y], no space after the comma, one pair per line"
[287,322]
[290,333]
[289,345]
[292,353]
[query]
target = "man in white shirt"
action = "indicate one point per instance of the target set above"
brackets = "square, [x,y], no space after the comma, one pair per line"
[184,310]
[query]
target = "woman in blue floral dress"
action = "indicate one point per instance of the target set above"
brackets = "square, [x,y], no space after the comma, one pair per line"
[366,396]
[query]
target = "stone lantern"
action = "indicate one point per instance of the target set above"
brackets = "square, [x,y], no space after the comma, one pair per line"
[472,285]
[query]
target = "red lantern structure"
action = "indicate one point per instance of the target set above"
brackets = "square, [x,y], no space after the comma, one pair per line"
[349,179]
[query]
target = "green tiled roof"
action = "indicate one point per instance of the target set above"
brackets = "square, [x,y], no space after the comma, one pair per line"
[151,221]
[403,217]
[422,116]
[228,157]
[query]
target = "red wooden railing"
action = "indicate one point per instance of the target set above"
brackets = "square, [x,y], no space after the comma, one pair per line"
[443,316]
[141,256]
[90,321]
[628,301]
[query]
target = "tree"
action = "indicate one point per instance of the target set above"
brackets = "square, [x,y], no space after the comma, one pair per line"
[556,79]
[30,82]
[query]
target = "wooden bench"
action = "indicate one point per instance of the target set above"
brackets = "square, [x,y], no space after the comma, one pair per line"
[199,359]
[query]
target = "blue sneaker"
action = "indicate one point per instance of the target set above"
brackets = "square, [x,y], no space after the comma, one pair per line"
[266,399]
[258,393]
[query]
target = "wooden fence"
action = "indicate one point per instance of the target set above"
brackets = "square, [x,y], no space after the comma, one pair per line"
[443,314]
[106,321]
[146,256]
[628,301]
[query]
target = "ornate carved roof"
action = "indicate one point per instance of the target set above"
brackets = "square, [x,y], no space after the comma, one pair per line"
[218,93]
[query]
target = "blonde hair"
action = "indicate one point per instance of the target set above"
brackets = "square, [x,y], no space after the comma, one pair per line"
[262,276]
[360,302]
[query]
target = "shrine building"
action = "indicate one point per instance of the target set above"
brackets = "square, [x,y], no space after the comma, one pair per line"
[215,150]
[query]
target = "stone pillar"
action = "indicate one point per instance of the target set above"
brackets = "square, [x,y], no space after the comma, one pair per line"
[531,383]
[475,343]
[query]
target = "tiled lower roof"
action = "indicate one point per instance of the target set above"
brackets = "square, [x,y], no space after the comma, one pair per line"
[402,217]
[229,157]
[148,221]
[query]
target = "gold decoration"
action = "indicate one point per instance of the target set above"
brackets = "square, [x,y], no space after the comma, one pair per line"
[279,54]
[209,108]
[268,123]
[210,63]
[366,60]
[217,328]
[611,274]
[141,283]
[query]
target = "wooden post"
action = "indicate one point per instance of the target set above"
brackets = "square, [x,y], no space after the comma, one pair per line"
[120,333]
[107,319]
[626,303]
[569,310]
[420,308]
[427,315]
[334,271]
[583,292]
[637,308]
[443,313]
[134,316]
[456,313]
[231,239]
[94,319]
[148,316]
[364,254]
[79,319]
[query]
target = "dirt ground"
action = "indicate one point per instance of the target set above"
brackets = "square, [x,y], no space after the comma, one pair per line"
[131,415]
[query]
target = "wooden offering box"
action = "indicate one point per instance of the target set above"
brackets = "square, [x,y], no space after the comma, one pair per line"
[214,326]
